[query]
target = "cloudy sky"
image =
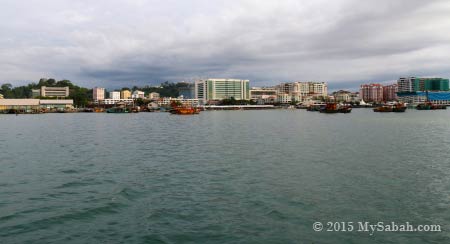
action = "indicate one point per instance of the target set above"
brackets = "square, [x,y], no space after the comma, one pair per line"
[113,43]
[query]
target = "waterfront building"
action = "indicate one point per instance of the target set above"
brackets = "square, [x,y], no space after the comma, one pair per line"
[26,105]
[284,98]
[111,101]
[1,96]
[355,97]
[342,96]
[415,90]
[263,95]
[138,94]
[318,89]
[125,94]
[390,92]
[165,101]
[301,91]
[219,89]
[56,104]
[436,97]
[371,92]
[413,84]
[153,96]
[34,105]
[114,95]
[46,91]
[98,94]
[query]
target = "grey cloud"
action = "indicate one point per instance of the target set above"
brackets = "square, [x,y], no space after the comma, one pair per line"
[344,42]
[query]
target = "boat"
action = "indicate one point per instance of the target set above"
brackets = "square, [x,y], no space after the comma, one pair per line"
[118,110]
[396,108]
[332,108]
[183,110]
[427,105]
[315,107]
[430,106]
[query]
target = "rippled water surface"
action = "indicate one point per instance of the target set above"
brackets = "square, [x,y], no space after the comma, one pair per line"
[222,176]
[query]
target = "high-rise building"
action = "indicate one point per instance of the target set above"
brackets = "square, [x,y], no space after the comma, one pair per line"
[390,92]
[125,94]
[371,92]
[218,89]
[115,95]
[413,84]
[98,94]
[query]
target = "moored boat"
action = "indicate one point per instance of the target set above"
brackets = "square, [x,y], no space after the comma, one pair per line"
[397,108]
[332,108]
[117,110]
[430,106]
[183,110]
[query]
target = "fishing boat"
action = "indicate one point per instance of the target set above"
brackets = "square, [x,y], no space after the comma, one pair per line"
[332,108]
[430,106]
[396,108]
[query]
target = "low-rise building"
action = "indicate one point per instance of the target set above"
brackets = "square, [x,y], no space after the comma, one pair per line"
[114,95]
[125,94]
[138,94]
[165,101]
[54,91]
[110,101]
[56,104]
[438,97]
[155,96]
[23,105]
[263,95]
[342,96]
[1,96]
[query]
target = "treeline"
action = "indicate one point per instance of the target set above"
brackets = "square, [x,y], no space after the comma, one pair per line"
[80,95]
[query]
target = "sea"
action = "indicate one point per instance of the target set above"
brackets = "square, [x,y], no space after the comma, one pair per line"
[269,176]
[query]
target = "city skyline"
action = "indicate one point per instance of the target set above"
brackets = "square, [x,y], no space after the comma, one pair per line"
[111,44]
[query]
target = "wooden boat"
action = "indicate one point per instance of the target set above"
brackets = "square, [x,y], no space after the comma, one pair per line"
[332,108]
[396,108]
[430,106]
[117,110]
[183,110]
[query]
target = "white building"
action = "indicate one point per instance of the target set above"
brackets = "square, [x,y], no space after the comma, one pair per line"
[51,92]
[138,94]
[153,96]
[187,102]
[116,101]
[98,94]
[219,89]
[115,95]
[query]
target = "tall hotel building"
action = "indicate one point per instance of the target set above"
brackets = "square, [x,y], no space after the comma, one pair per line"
[218,89]
[371,92]
[98,94]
